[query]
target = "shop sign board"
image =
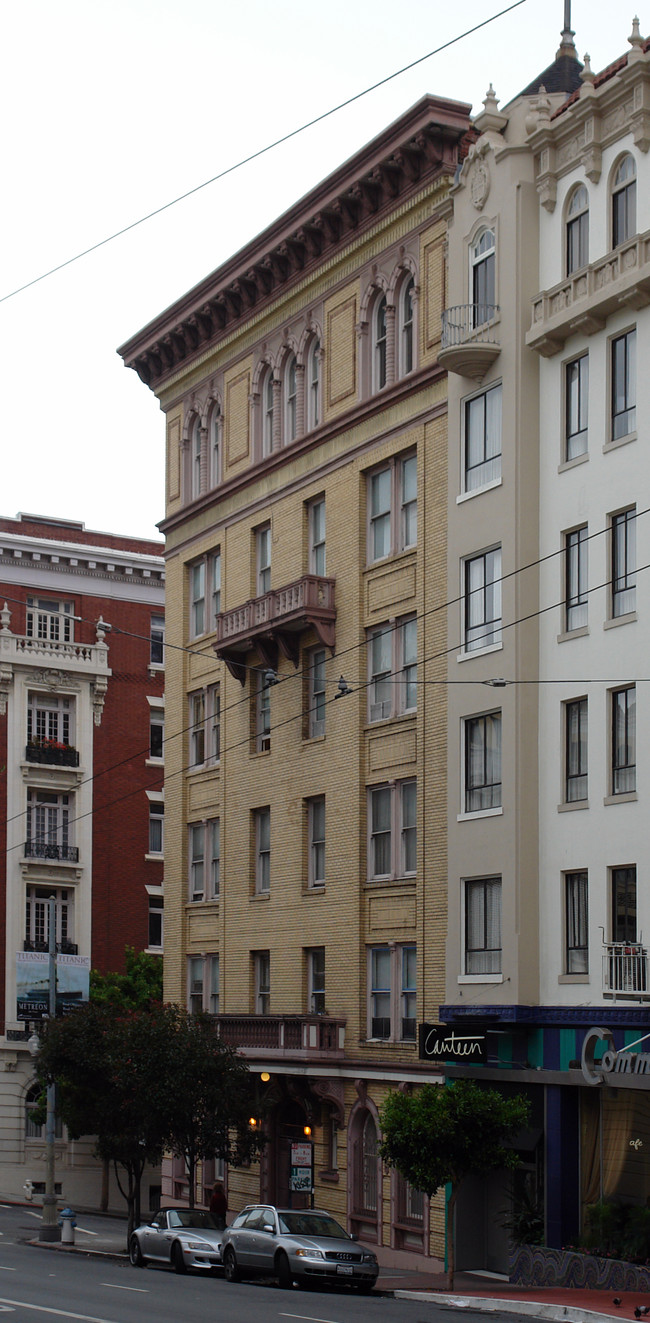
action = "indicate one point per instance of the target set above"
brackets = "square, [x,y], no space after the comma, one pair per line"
[33,984]
[464,1047]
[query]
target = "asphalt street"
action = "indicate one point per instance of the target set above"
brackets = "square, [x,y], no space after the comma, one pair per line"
[37,1282]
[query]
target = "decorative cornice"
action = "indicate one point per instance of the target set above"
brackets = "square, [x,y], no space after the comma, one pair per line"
[538,1016]
[420,147]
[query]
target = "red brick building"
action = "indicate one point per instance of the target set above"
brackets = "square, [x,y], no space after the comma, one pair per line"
[81,781]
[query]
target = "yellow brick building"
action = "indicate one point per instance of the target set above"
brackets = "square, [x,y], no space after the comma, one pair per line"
[305,851]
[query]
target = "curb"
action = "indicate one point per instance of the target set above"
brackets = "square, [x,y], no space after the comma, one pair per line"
[490,1305]
[120,1256]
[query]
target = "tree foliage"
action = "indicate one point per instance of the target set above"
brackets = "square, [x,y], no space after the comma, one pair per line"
[138,986]
[144,1081]
[436,1136]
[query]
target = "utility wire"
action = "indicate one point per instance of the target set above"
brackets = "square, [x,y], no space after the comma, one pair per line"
[262,151]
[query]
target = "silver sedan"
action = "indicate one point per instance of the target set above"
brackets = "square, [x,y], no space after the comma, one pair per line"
[183,1238]
[305,1245]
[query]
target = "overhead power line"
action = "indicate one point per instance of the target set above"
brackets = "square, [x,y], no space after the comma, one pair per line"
[262,151]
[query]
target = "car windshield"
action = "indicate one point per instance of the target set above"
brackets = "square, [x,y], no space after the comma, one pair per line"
[311,1224]
[193,1217]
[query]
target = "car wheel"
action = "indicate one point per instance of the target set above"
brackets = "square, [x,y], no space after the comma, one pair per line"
[284,1273]
[178,1262]
[230,1269]
[135,1253]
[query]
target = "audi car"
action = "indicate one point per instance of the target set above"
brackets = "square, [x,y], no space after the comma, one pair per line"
[181,1238]
[304,1245]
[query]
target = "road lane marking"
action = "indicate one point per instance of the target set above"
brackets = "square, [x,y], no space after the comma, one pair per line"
[310,1318]
[3,1269]
[31,1214]
[142,1290]
[8,1306]
[86,1232]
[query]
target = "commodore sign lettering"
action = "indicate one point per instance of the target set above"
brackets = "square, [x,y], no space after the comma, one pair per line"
[464,1046]
[611,1063]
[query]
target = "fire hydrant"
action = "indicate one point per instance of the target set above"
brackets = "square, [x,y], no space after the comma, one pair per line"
[28,1187]
[67,1222]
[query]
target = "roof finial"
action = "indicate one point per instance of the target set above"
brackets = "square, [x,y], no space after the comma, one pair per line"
[636,40]
[567,44]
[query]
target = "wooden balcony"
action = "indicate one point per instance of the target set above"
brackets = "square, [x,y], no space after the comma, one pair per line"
[309,1037]
[273,623]
[470,339]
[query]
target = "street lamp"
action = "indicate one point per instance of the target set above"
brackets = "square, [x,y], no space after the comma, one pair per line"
[50,1229]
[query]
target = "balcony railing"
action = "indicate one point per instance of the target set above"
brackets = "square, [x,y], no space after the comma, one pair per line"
[62,948]
[308,1036]
[625,971]
[585,299]
[52,753]
[275,621]
[470,341]
[44,850]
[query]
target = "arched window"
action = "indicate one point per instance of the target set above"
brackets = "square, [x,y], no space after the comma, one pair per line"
[406,327]
[577,230]
[624,201]
[267,413]
[215,446]
[291,401]
[196,459]
[379,344]
[482,277]
[313,385]
[368,1171]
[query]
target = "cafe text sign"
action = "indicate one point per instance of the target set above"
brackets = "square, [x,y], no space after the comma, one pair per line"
[464,1047]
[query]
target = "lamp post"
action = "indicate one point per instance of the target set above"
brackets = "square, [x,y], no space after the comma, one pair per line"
[50,1229]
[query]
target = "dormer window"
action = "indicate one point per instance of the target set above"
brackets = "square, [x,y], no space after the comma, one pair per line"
[482,277]
[624,201]
[577,230]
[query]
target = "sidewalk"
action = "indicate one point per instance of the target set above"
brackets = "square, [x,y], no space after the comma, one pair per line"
[472,1291]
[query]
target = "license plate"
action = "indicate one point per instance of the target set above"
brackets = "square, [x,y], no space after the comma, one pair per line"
[346,1270]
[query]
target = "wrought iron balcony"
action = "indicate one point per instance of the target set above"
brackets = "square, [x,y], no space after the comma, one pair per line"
[44,850]
[275,621]
[470,341]
[307,1036]
[625,971]
[62,948]
[52,752]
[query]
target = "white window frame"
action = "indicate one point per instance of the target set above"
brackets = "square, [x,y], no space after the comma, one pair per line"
[394,512]
[576,750]
[262,706]
[316,693]
[623,562]
[263,560]
[576,578]
[623,384]
[482,276]
[483,426]
[48,620]
[576,230]
[50,718]
[213,855]
[157,643]
[392,988]
[156,818]
[576,407]
[576,921]
[204,727]
[156,723]
[262,829]
[315,957]
[37,916]
[197,599]
[392,835]
[316,836]
[314,384]
[623,762]
[196,861]
[316,515]
[50,825]
[393,676]
[204,589]
[489,626]
[492,885]
[624,227]
[156,915]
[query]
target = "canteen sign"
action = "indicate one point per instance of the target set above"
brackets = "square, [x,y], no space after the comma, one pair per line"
[464,1047]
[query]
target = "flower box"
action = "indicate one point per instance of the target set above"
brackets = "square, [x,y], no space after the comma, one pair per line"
[535,1265]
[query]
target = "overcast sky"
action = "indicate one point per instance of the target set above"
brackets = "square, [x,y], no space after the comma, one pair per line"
[111,109]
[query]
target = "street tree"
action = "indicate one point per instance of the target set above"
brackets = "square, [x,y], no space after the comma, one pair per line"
[210,1097]
[437,1136]
[139,985]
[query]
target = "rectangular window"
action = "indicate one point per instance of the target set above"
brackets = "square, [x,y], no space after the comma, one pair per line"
[196,834]
[157,641]
[197,729]
[262,821]
[215,583]
[50,725]
[392,991]
[624,904]
[37,930]
[205,587]
[623,385]
[576,922]
[576,387]
[262,978]
[156,915]
[483,926]
[214,855]
[576,578]
[624,741]
[483,439]
[156,732]
[482,590]
[392,669]
[51,622]
[316,980]
[48,826]
[392,811]
[316,701]
[205,718]
[623,528]
[392,507]
[575,761]
[214,984]
[197,599]
[263,559]
[316,517]
[195,981]
[262,698]
[316,831]
[483,762]
[156,825]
